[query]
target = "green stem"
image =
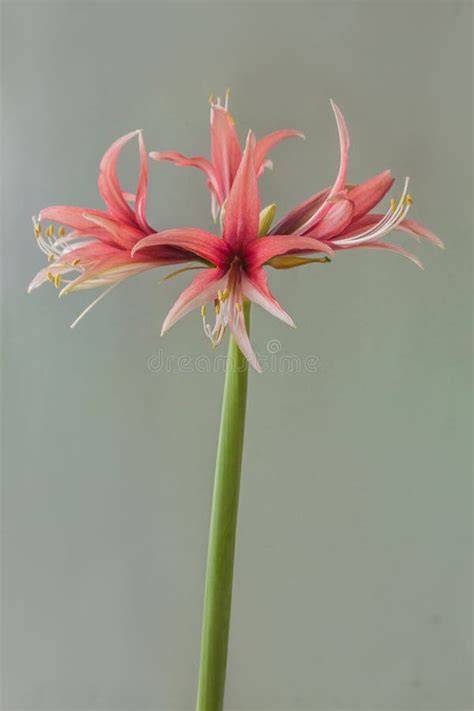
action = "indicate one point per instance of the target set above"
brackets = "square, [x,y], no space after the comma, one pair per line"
[220,557]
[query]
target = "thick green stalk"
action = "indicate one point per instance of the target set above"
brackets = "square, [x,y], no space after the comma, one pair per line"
[220,557]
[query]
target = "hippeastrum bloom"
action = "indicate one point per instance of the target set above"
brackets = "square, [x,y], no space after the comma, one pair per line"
[225,153]
[236,260]
[97,250]
[340,216]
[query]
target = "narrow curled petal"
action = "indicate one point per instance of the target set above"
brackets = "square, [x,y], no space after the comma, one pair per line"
[417,230]
[75,217]
[300,214]
[368,194]
[266,219]
[199,244]
[243,204]
[193,162]
[202,289]
[109,184]
[255,288]
[265,144]
[263,249]
[391,248]
[339,183]
[335,221]
[225,148]
[142,187]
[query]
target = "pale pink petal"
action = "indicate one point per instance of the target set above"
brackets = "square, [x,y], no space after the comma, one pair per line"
[202,289]
[264,248]
[236,321]
[391,248]
[225,148]
[265,144]
[142,187]
[242,212]
[417,230]
[335,221]
[109,184]
[255,288]
[194,162]
[198,243]
[339,183]
[70,216]
[368,194]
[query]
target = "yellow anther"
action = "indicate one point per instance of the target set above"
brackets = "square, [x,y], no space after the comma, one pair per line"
[61,231]
[409,199]
[393,204]
[50,231]
[238,306]
[50,257]
[57,281]
[219,295]
[211,98]
[37,230]
[50,277]
[76,262]
[227,92]
[217,308]
[203,311]
[225,294]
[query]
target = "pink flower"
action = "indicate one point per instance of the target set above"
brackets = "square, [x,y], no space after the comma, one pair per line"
[341,217]
[97,250]
[236,260]
[225,153]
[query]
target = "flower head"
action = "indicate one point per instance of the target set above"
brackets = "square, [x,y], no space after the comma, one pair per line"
[340,216]
[96,251]
[237,259]
[226,153]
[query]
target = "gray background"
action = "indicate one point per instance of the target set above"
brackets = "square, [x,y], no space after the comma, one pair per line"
[354,544]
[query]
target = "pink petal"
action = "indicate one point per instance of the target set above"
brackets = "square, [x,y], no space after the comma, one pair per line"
[293,220]
[142,187]
[264,248]
[242,210]
[109,184]
[194,162]
[414,228]
[367,195]
[202,289]
[255,288]
[198,243]
[237,324]
[265,144]
[123,234]
[339,183]
[336,220]
[70,216]
[225,148]
[391,248]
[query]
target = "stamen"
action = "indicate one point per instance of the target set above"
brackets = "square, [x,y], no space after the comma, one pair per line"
[50,277]
[61,231]
[57,281]
[203,310]
[393,204]
[238,306]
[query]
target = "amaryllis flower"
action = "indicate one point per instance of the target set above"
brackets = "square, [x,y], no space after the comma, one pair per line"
[225,153]
[96,252]
[236,260]
[340,216]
